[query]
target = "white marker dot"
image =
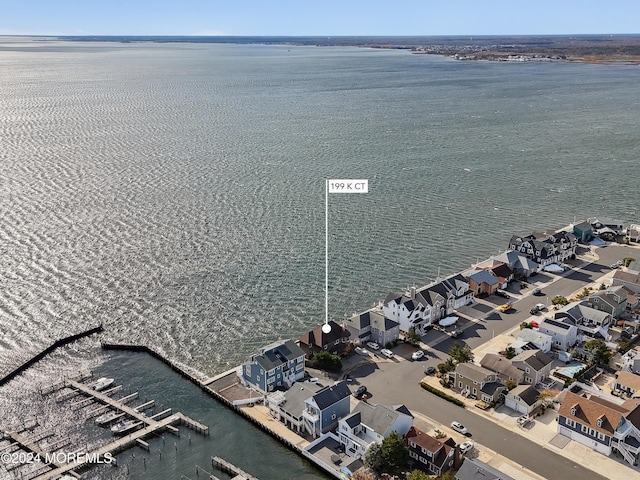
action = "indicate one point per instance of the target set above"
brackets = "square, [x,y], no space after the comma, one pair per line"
[326,328]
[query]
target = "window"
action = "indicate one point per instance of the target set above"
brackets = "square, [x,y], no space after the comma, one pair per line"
[333,417]
[599,422]
[573,410]
[569,422]
[600,436]
[460,384]
[475,391]
[261,371]
[337,342]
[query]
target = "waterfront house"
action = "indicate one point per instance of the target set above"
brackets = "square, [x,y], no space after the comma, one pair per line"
[287,407]
[368,424]
[316,340]
[564,243]
[502,272]
[606,225]
[633,233]
[474,469]
[612,300]
[325,408]
[626,384]
[277,365]
[541,340]
[410,311]
[542,253]
[421,308]
[372,326]
[482,282]
[535,364]
[583,232]
[601,424]
[430,454]
[469,380]
[563,332]
[518,262]
[507,372]
[523,399]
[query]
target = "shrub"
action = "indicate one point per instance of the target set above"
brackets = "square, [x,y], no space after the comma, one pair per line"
[442,394]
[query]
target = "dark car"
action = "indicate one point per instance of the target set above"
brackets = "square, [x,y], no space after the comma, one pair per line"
[361,390]
[430,371]
[502,294]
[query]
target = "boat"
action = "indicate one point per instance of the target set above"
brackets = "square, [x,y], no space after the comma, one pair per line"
[125,426]
[102,384]
[108,417]
[448,321]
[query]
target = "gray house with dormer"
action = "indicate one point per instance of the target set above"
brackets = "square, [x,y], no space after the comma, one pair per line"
[277,365]
[325,408]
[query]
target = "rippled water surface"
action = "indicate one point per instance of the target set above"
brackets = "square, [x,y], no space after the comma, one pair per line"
[175,192]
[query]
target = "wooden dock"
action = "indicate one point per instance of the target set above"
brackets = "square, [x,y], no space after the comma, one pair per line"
[239,474]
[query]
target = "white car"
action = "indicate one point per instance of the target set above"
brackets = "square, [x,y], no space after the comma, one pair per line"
[466,447]
[540,306]
[361,351]
[387,353]
[417,355]
[373,345]
[458,427]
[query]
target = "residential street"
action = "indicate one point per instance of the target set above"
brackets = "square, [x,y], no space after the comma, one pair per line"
[397,381]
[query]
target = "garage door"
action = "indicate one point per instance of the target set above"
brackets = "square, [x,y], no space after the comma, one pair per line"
[512,404]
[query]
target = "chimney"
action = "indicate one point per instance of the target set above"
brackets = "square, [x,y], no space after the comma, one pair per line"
[412,290]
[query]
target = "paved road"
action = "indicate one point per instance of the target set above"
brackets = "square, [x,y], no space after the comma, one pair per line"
[398,382]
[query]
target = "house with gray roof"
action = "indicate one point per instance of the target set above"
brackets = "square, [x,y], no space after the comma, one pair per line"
[612,300]
[506,371]
[523,399]
[372,326]
[518,262]
[287,407]
[482,282]
[541,340]
[535,364]
[583,232]
[325,408]
[469,379]
[591,323]
[368,424]
[277,365]
[627,279]
[563,332]
[626,384]
[474,469]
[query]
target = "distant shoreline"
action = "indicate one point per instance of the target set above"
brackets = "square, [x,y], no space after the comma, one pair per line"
[592,49]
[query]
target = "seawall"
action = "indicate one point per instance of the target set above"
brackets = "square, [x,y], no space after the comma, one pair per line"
[58,343]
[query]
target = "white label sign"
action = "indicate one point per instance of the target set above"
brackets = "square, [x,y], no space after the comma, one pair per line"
[348,186]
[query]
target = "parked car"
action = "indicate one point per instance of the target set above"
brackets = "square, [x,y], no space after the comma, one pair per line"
[538,307]
[430,371]
[387,353]
[361,390]
[361,351]
[502,294]
[537,292]
[458,427]
[523,420]
[466,447]
[417,355]
[373,345]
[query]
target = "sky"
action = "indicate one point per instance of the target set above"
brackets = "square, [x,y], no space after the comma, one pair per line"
[318,17]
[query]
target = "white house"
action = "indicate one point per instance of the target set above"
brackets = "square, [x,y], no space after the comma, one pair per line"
[369,424]
[563,332]
[541,340]
[523,399]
